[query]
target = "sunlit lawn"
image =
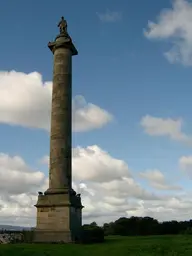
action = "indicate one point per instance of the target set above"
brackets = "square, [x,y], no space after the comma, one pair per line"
[114,246]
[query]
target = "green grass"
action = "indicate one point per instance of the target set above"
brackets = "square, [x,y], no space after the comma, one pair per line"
[114,246]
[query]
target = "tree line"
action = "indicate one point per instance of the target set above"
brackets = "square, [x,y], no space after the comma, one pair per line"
[133,226]
[143,226]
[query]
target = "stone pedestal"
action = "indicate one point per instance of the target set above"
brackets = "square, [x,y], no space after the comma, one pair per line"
[59,218]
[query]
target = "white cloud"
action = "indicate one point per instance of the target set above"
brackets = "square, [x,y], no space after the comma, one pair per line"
[127,187]
[158,181]
[115,201]
[18,190]
[108,190]
[83,188]
[16,177]
[185,163]
[25,100]
[109,16]
[94,164]
[175,25]
[87,116]
[172,208]
[156,126]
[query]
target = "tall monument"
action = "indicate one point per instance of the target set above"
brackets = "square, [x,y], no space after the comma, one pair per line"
[59,208]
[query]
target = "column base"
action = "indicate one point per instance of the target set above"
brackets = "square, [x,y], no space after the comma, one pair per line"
[51,191]
[59,217]
[49,236]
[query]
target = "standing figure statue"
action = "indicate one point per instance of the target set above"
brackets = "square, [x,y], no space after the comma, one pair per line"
[63,26]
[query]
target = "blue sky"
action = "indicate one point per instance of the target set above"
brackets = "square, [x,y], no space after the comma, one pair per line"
[119,68]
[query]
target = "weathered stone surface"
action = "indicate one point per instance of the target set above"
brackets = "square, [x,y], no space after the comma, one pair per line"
[58,214]
[53,218]
[59,209]
[60,144]
[52,236]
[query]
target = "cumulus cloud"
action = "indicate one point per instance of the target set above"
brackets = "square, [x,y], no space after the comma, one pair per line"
[94,164]
[109,16]
[158,181]
[25,100]
[108,188]
[16,177]
[87,116]
[18,190]
[174,24]
[17,214]
[172,208]
[128,187]
[172,128]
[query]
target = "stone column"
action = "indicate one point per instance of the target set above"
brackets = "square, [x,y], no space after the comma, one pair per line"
[59,208]
[60,139]
[61,115]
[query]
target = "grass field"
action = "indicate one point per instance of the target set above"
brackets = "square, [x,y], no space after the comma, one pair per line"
[114,246]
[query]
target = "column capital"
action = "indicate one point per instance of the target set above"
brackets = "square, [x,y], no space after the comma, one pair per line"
[62,44]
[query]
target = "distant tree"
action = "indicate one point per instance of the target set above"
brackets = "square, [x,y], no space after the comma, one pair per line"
[143,226]
[108,228]
[93,224]
[92,233]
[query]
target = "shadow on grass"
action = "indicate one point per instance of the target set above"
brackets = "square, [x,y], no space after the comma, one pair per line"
[112,240]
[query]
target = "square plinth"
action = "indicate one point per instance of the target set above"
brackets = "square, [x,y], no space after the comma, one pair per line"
[59,219]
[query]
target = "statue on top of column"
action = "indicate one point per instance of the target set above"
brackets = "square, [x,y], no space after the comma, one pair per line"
[63,26]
